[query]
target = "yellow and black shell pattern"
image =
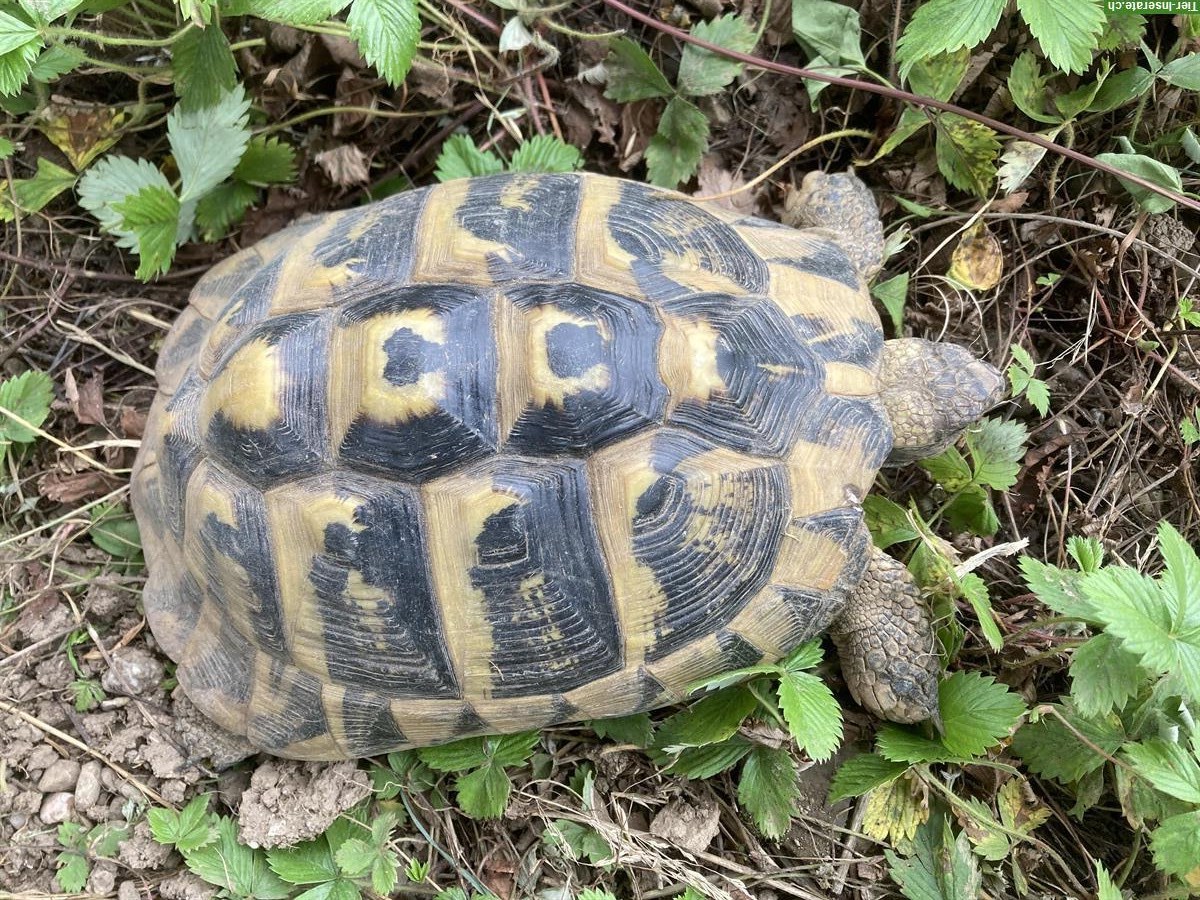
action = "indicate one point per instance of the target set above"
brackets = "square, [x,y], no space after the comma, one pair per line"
[502,453]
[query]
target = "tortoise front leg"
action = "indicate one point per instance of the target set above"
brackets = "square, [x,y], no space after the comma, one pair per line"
[885,641]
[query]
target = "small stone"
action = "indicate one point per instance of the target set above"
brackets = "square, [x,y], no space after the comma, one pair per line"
[60,776]
[87,786]
[18,821]
[128,890]
[42,757]
[57,808]
[103,878]
[133,672]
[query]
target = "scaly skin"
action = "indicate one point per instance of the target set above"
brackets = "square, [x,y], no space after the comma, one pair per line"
[885,642]
[842,204]
[932,391]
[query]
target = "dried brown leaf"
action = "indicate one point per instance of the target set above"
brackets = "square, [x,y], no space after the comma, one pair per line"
[345,165]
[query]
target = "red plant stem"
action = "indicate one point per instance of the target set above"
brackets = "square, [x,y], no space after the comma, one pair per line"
[897,94]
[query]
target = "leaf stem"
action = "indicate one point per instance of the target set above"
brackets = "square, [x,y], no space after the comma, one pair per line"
[113,40]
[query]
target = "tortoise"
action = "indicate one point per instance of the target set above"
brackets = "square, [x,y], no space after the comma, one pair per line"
[518,450]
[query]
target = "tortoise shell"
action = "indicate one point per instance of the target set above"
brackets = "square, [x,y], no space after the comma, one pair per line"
[501,453]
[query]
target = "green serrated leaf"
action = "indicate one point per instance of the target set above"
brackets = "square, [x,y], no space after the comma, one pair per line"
[1104,676]
[1088,553]
[460,158]
[828,31]
[1120,89]
[632,74]
[355,857]
[387,32]
[266,161]
[513,749]
[710,720]
[1175,844]
[308,863]
[7,148]
[152,217]
[1183,72]
[1181,576]
[949,469]
[806,656]
[32,194]
[899,744]
[483,794]
[702,72]
[1170,767]
[16,67]
[111,181]
[46,11]
[56,61]
[203,67]
[383,874]
[341,889]
[289,12]
[222,207]
[1027,87]
[1137,610]
[577,842]
[997,448]
[675,150]
[235,867]
[545,153]
[939,75]
[942,867]
[1150,169]
[863,773]
[888,521]
[942,26]
[966,152]
[811,712]
[1067,30]
[711,759]
[1051,750]
[72,871]
[636,729]
[976,712]
[1108,889]
[456,756]
[972,511]
[208,142]
[15,34]
[975,591]
[1060,589]
[29,396]
[893,294]
[767,789]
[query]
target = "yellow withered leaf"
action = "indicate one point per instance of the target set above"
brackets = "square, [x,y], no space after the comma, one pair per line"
[895,811]
[82,131]
[978,260]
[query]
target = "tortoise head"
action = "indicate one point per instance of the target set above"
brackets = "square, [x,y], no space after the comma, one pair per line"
[932,391]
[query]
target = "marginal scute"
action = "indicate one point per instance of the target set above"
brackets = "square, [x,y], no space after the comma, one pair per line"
[371,618]
[228,545]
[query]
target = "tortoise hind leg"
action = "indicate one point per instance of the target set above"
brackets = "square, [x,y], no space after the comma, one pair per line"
[841,203]
[884,636]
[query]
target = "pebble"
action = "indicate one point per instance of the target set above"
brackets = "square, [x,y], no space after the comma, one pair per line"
[128,891]
[18,821]
[133,671]
[57,807]
[60,776]
[87,787]
[103,878]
